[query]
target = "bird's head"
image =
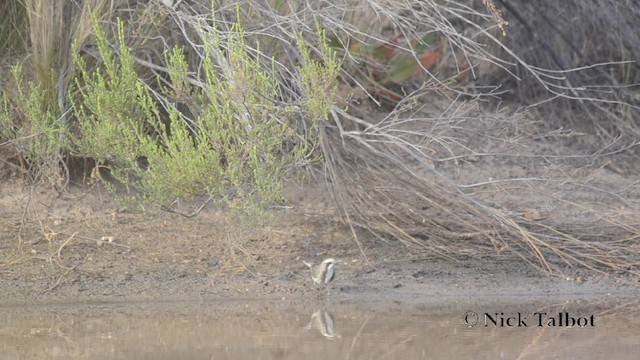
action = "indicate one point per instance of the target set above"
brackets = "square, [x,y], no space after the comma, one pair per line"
[330,261]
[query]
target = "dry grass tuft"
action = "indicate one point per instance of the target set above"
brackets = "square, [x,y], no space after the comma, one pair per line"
[401,177]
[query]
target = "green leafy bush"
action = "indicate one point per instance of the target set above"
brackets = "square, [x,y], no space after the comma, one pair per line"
[235,149]
[31,123]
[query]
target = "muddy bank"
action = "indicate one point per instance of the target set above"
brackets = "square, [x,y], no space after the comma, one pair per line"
[82,245]
[86,247]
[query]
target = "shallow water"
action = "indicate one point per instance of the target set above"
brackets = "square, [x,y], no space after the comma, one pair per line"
[286,330]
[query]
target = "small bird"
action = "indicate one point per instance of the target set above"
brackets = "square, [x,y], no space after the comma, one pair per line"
[323,273]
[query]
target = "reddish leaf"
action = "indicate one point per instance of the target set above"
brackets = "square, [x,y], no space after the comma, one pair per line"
[408,67]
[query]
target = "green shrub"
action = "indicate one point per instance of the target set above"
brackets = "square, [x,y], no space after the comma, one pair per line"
[235,149]
[32,124]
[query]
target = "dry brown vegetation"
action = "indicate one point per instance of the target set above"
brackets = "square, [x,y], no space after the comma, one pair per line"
[435,171]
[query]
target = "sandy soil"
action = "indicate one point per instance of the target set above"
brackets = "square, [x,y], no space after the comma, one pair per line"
[83,246]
